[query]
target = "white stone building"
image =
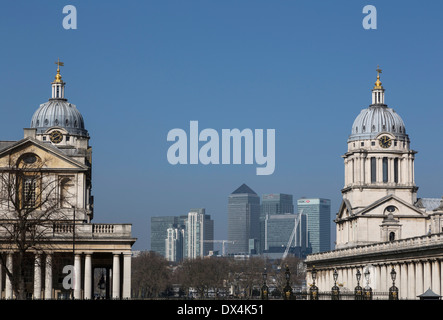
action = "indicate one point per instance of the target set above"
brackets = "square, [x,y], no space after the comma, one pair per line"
[51,195]
[381,223]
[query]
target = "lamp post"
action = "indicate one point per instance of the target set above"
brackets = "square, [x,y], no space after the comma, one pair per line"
[335,288]
[368,289]
[313,291]
[393,291]
[358,291]
[288,289]
[264,288]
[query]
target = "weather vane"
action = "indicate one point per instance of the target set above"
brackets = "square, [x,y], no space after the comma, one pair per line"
[378,69]
[60,64]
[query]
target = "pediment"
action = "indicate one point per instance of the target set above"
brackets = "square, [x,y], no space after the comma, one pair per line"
[391,204]
[345,210]
[51,157]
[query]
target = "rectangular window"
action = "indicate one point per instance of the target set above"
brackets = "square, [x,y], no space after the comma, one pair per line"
[385,169]
[373,170]
[29,192]
[396,170]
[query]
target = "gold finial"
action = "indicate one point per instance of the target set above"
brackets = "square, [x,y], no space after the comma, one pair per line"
[58,77]
[378,82]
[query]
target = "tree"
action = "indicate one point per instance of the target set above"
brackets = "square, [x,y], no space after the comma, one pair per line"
[150,275]
[30,207]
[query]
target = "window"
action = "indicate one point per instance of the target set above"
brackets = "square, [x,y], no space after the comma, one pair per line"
[29,192]
[396,170]
[391,236]
[66,191]
[373,143]
[385,169]
[373,170]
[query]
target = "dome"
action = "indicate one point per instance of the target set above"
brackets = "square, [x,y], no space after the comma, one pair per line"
[375,120]
[58,113]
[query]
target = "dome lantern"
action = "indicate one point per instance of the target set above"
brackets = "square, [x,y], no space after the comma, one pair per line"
[378,93]
[58,86]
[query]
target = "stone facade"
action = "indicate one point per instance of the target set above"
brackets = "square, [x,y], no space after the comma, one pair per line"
[46,187]
[381,223]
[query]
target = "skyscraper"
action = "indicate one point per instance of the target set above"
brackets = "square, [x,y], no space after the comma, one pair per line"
[318,212]
[243,219]
[272,204]
[174,244]
[276,203]
[159,227]
[199,232]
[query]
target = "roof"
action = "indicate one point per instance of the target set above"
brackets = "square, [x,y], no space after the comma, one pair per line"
[58,113]
[375,120]
[243,189]
[429,294]
[428,204]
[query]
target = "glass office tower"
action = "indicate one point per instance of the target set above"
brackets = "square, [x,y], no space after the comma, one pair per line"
[243,220]
[159,227]
[318,212]
[273,203]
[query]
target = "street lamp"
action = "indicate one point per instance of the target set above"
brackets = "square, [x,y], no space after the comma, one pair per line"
[368,289]
[288,289]
[335,288]
[358,291]
[313,291]
[264,288]
[393,291]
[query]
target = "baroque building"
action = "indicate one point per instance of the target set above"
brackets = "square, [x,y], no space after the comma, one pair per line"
[381,223]
[46,199]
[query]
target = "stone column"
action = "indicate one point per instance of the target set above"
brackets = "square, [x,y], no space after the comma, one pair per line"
[37,277]
[88,277]
[441,277]
[1,280]
[8,284]
[435,276]
[127,276]
[48,277]
[403,280]
[411,280]
[77,277]
[116,277]
[427,275]
[419,279]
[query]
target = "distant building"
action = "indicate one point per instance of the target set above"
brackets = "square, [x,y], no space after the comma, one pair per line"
[159,227]
[318,212]
[199,234]
[285,231]
[273,203]
[243,219]
[174,244]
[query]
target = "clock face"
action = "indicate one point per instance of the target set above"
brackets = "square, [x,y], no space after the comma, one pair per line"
[56,136]
[385,142]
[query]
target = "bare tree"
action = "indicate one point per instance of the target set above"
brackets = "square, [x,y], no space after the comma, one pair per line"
[150,275]
[29,208]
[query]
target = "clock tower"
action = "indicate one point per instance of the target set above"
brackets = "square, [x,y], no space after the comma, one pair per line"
[379,160]
[60,123]
[379,194]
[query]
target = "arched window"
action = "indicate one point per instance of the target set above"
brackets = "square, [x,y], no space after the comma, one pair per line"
[391,236]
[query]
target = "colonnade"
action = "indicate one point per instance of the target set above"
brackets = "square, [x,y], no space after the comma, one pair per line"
[413,277]
[358,169]
[80,276]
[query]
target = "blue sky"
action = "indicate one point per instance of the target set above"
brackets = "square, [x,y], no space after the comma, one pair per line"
[137,69]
